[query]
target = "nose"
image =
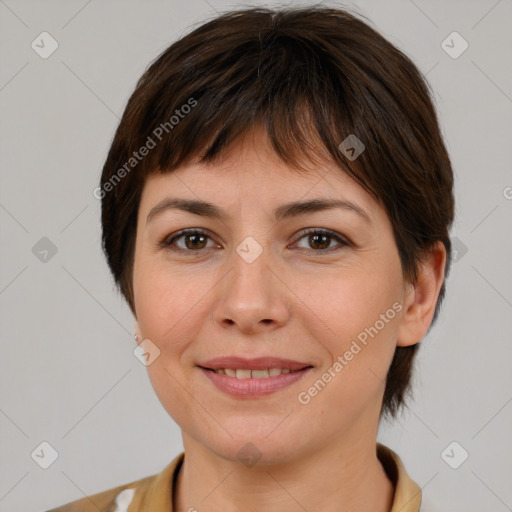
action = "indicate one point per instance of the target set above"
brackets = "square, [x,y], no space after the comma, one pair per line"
[252,297]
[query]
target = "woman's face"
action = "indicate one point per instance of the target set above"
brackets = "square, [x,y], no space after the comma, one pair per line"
[253,285]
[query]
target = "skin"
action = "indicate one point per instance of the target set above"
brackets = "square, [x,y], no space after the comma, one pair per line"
[294,301]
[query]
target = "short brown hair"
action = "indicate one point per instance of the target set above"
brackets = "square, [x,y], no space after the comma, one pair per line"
[311,77]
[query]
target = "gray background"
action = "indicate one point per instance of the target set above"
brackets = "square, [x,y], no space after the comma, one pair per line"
[68,374]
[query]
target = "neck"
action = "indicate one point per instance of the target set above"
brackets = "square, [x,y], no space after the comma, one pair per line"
[346,476]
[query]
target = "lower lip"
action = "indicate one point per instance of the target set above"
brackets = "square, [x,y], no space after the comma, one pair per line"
[253,388]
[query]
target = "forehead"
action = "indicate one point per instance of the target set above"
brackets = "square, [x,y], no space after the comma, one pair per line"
[251,172]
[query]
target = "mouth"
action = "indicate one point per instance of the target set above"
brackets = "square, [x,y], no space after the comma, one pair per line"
[242,373]
[252,378]
[264,363]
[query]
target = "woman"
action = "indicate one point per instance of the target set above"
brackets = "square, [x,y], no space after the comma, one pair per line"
[276,205]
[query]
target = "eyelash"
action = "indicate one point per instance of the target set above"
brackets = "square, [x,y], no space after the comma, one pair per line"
[167,243]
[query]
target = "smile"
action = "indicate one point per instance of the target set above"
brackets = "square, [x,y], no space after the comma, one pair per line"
[253,374]
[247,383]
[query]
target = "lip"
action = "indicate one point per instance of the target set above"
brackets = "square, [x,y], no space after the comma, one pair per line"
[258,363]
[253,388]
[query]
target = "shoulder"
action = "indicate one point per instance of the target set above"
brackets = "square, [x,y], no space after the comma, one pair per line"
[109,500]
[152,492]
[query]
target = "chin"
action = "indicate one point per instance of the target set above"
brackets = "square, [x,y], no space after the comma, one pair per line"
[251,447]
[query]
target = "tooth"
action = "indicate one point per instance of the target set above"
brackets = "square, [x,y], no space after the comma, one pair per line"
[260,374]
[256,374]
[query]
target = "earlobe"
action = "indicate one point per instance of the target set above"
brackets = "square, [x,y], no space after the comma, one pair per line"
[137,336]
[421,297]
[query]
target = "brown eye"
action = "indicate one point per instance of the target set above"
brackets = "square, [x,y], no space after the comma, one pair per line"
[192,240]
[319,240]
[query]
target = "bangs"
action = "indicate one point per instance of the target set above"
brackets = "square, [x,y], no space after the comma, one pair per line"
[285,85]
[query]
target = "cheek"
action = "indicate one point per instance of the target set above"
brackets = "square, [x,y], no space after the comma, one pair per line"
[354,315]
[348,302]
[169,304]
[357,328]
[166,315]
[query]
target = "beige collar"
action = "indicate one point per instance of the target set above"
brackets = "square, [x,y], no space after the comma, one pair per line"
[155,493]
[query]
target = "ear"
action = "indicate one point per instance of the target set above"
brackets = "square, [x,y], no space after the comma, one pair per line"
[421,297]
[137,334]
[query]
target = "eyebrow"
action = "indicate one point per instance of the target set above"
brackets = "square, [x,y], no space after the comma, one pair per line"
[284,211]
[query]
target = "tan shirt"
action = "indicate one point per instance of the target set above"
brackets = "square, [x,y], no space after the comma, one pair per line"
[154,493]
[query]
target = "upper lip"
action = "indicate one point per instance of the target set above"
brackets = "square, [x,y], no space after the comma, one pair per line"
[258,363]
